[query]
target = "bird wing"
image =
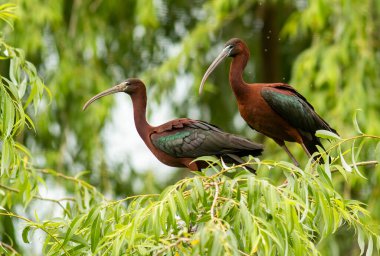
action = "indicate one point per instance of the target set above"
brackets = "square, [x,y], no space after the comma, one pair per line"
[294,108]
[193,138]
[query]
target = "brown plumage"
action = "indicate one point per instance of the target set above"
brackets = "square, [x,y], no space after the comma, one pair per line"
[276,110]
[178,142]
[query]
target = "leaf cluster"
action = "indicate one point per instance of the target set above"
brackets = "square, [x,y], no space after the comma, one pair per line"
[222,211]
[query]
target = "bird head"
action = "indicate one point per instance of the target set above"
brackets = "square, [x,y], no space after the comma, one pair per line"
[129,86]
[232,48]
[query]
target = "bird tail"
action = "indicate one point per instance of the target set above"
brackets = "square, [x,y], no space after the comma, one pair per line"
[311,146]
[245,147]
[237,160]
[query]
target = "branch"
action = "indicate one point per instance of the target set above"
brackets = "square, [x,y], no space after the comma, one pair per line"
[73,19]
[340,142]
[35,225]
[365,163]
[14,190]
[58,174]
[57,201]
[9,247]
[175,244]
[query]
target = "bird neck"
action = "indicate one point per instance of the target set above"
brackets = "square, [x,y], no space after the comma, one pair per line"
[139,102]
[237,67]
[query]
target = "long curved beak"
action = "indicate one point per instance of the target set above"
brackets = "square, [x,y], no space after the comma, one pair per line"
[115,89]
[214,64]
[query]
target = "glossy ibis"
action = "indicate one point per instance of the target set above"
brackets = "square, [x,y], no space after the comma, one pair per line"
[276,110]
[178,142]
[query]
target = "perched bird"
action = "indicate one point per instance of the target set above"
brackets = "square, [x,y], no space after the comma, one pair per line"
[178,142]
[276,110]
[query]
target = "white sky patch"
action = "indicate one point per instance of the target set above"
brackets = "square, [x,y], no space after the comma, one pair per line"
[123,142]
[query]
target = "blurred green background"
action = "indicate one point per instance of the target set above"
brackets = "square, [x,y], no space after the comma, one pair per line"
[329,50]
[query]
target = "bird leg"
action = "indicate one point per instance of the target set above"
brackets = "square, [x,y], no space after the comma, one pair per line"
[305,149]
[290,155]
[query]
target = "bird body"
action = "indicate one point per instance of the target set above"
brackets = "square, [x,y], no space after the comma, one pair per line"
[183,140]
[276,110]
[178,142]
[261,117]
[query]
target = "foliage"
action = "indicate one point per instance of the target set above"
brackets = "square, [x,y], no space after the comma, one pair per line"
[219,212]
[328,50]
[21,88]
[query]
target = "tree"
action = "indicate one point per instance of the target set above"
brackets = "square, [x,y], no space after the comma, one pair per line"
[77,46]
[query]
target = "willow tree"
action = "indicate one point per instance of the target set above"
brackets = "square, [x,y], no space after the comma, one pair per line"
[328,50]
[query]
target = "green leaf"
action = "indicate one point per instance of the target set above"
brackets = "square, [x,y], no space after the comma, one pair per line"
[25,234]
[94,213]
[73,228]
[199,187]
[173,211]
[327,135]
[157,223]
[344,163]
[355,121]
[251,192]
[9,116]
[77,250]
[6,156]
[95,233]
[361,241]
[369,247]
[116,246]
[182,209]
[341,170]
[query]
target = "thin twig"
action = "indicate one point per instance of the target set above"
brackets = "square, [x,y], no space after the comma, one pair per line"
[340,142]
[35,225]
[9,247]
[58,174]
[37,196]
[74,18]
[57,201]
[112,203]
[243,253]
[9,189]
[365,163]
[180,240]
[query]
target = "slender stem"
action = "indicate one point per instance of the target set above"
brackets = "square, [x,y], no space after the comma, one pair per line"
[74,18]
[112,203]
[339,143]
[9,188]
[57,201]
[36,225]
[177,242]
[356,164]
[243,253]
[58,174]
[9,247]
[37,196]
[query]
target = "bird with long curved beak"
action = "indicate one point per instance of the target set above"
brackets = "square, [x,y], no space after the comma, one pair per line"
[276,110]
[179,142]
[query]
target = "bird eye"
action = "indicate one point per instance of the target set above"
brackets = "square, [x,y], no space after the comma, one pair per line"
[128,83]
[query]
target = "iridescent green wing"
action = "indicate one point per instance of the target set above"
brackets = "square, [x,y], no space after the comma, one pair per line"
[185,141]
[294,108]
[198,138]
